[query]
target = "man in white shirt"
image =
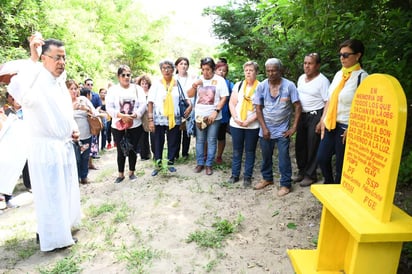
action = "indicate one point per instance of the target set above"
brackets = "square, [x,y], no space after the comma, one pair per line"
[313,93]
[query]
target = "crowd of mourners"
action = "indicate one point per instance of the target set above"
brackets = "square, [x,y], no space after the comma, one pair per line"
[141,115]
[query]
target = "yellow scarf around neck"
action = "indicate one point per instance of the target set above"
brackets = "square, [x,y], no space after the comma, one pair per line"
[247,103]
[330,119]
[169,110]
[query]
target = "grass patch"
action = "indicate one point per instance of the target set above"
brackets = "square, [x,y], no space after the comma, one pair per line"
[214,237]
[104,175]
[213,263]
[95,211]
[66,265]
[19,247]
[137,259]
[122,214]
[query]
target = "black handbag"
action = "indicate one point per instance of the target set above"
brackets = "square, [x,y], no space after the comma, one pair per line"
[183,105]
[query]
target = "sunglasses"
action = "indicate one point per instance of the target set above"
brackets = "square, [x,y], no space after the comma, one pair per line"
[89,84]
[346,54]
[125,75]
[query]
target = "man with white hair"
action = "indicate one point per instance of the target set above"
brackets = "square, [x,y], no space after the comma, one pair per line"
[275,99]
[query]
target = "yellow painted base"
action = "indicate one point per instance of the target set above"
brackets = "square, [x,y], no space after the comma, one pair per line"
[304,262]
[351,240]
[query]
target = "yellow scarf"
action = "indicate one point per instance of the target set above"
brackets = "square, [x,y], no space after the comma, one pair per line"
[247,100]
[330,119]
[168,106]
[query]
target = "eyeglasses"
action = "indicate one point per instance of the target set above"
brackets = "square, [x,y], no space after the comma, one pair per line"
[166,68]
[57,58]
[346,54]
[89,84]
[125,75]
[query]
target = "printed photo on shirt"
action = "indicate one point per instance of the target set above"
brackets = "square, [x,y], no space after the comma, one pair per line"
[207,95]
[126,106]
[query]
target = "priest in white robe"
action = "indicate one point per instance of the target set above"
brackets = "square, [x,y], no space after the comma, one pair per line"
[50,128]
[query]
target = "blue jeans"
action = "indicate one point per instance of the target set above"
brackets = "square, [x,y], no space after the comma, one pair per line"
[332,144]
[285,166]
[244,139]
[208,134]
[103,133]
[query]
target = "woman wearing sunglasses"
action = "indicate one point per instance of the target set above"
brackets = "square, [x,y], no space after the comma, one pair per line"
[126,104]
[336,112]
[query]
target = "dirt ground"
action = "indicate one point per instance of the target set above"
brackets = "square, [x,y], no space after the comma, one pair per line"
[143,225]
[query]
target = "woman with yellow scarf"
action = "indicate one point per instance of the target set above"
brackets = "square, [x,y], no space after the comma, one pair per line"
[337,109]
[244,126]
[164,115]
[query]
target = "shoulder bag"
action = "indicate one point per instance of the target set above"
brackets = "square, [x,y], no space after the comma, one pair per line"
[183,105]
[95,124]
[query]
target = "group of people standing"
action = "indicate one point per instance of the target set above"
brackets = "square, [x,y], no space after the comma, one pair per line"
[259,112]
[267,112]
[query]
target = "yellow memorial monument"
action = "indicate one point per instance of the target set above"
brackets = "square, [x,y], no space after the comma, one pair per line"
[361,231]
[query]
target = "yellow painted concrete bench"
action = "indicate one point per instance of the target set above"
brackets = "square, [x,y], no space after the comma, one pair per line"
[351,240]
[361,231]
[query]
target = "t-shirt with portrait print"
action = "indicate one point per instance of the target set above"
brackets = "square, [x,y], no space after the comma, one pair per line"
[209,95]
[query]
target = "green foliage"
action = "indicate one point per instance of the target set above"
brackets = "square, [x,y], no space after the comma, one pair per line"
[99,34]
[213,238]
[104,208]
[65,265]
[138,258]
[405,170]
[18,20]
[291,226]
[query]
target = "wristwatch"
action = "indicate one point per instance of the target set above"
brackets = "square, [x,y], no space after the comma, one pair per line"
[217,110]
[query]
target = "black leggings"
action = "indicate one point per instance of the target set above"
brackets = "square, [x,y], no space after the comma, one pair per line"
[133,134]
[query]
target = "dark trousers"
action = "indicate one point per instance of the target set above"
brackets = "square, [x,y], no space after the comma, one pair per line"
[184,143]
[133,134]
[172,142]
[143,147]
[103,134]
[82,157]
[332,144]
[307,143]
[109,131]
[26,176]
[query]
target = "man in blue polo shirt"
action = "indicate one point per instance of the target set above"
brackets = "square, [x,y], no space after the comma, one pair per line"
[275,99]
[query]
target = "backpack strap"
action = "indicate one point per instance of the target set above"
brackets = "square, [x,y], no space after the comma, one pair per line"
[359,78]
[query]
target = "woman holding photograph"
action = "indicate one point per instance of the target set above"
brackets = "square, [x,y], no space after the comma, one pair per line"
[211,94]
[126,104]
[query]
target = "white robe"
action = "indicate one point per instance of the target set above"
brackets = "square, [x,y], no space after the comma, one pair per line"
[13,148]
[48,117]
